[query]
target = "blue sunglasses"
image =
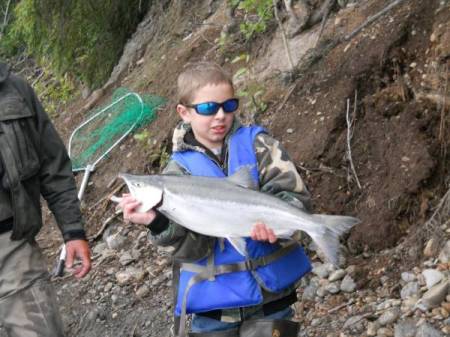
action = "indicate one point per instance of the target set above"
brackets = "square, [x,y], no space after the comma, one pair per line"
[211,108]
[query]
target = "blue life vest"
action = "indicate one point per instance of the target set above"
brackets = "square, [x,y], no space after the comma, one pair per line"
[238,288]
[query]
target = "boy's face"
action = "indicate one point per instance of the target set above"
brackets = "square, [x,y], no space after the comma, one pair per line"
[209,130]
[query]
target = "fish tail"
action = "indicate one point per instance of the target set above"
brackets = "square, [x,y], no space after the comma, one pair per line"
[327,237]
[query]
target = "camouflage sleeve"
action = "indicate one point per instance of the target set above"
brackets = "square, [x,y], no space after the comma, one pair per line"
[277,172]
[187,245]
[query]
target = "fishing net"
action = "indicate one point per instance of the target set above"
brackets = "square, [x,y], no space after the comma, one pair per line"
[106,126]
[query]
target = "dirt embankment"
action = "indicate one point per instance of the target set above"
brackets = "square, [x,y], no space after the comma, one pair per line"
[394,76]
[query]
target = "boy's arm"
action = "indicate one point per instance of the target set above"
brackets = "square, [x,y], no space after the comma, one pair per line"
[188,245]
[277,173]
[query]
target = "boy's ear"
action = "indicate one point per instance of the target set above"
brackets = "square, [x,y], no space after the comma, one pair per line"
[184,113]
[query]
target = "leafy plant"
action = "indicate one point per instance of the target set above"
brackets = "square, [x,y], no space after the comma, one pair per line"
[257,15]
[251,90]
[84,38]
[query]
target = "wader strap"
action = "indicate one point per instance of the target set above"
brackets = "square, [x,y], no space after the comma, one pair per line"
[209,272]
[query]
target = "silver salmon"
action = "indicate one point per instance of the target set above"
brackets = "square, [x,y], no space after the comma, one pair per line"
[229,207]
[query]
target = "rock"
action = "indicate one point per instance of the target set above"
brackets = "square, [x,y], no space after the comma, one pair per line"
[431,248]
[436,295]
[332,288]
[321,292]
[142,291]
[321,270]
[444,255]
[347,284]
[389,317]
[405,328]
[432,277]
[126,258]
[336,275]
[372,328]
[129,275]
[408,277]
[115,241]
[411,289]
[310,292]
[385,332]
[108,287]
[352,321]
[426,330]
[99,249]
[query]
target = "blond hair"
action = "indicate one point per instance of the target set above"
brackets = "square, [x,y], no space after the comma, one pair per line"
[197,75]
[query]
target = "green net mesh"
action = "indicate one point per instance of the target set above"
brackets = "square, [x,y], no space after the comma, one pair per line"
[109,125]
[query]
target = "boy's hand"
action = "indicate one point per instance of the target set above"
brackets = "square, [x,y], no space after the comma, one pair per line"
[261,232]
[128,204]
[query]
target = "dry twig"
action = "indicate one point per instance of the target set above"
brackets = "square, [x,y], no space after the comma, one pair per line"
[343,305]
[5,17]
[350,121]
[286,97]
[107,196]
[327,9]
[283,35]
[104,225]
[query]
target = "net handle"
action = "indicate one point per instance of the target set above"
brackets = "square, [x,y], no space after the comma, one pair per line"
[92,166]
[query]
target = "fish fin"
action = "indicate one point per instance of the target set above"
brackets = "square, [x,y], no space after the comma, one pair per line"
[239,244]
[327,237]
[243,178]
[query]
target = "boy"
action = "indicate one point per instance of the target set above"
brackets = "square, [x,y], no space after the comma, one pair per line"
[210,141]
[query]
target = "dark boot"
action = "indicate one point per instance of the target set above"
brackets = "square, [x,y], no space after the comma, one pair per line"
[225,333]
[269,328]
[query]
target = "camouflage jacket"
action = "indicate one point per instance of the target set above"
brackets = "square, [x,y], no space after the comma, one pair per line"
[277,174]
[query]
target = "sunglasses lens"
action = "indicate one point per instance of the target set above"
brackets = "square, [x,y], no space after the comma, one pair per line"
[207,109]
[231,105]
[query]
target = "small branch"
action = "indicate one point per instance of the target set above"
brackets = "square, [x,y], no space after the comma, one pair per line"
[329,4]
[283,35]
[372,19]
[104,226]
[349,137]
[445,102]
[38,78]
[343,305]
[107,196]
[286,97]
[5,17]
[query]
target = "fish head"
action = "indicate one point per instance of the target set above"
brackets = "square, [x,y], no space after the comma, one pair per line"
[148,190]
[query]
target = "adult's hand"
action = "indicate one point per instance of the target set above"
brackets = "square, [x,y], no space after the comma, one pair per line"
[128,204]
[78,249]
[261,232]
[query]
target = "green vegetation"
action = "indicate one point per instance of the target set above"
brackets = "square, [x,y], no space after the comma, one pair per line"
[251,90]
[82,38]
[257,15]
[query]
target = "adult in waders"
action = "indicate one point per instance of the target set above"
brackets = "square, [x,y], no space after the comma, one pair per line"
[227,293]
[33,162]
